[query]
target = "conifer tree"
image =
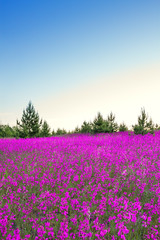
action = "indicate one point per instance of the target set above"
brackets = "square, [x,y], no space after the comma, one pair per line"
[113,127]
[53,133]
[30,123]
[157,127]
[143,127]
[122,127]
[105,126]
[76,130]
[61,131]
[45,131]
[86,127]
[98,124]
[2,131]
[69,132]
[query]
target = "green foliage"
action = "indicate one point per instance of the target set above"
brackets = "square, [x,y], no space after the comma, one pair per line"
[16,132]
[69,132]
[112,126]
[86,127]
[143,127]
[77,130]
[105,126]
[101,125]
[2,131]
[30,126]
[61,131]
[53,133]
[157,127]
[98,124]
[45,130]
[122,127]
[7,131]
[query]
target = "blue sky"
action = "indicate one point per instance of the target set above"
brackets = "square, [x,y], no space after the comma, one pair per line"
[73,59]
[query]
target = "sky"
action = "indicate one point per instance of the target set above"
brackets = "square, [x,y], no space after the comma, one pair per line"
[73,59]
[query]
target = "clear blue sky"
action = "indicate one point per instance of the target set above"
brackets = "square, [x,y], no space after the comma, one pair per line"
[75,58]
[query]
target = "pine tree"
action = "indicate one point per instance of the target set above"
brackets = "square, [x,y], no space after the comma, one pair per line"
[122,127]
[76,130]
[105,126]
[45,131]
[53,133]
[64,131]
[86,127]
[61,131]
[113,127]
[69,132]
[30,123]
[98,124]
[143,127]
[157,127]
[2,131]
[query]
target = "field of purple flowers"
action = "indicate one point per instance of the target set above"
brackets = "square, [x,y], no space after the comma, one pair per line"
[80,187]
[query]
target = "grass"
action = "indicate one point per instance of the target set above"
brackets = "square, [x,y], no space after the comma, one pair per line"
[85,187]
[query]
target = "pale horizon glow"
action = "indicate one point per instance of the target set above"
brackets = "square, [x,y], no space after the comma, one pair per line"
[104,95]
[73,60]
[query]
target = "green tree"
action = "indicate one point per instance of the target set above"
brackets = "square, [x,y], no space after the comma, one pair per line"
[122,127]
[30,123]
[45,130]
[61,131]
[69,132]
[2,131]
[157,127]
[16,132]
[105,127]
[53,133]
[143,127]
[6,131]
[86,127]
[112,126]
[98,124]
[76,130]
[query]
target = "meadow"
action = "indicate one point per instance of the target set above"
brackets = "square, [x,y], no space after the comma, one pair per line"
[104,186]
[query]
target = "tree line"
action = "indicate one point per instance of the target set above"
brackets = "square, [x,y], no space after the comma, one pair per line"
[32,126]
